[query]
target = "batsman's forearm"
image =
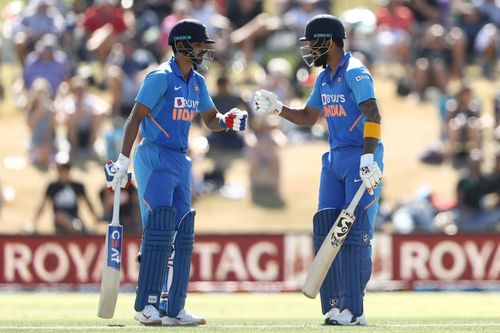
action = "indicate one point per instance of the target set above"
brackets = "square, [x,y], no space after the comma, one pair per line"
[370,145]
[372,136]
[130,134]
[214,124]
[298,116]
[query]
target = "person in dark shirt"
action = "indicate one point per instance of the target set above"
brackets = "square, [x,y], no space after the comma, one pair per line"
[129,210]
[225,146]
[472,213]
[64,194]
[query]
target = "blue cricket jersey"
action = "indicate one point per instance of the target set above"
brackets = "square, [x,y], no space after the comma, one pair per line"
[339,98]
[172,102]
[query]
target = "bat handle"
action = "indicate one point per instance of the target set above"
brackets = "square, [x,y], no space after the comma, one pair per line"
[116,207]
[357,197]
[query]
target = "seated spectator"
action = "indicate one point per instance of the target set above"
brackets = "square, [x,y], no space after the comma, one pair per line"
[126,67]
[298,16]
[218,26]
[130,218]
[463,125]
[415,215]
[393,34]
[179,12]
[41,121]
[265,168]
[83,116]
[46,62]
[251,25]
[225,146]
[472,215]
[41,18]
[103,23]
[279,74]
[434,61]
[64,194]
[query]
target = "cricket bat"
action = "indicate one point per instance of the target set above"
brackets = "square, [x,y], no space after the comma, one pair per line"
[330,247]
[110,282]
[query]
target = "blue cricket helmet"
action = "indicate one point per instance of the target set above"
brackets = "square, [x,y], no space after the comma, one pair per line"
[324,26]
[189,30]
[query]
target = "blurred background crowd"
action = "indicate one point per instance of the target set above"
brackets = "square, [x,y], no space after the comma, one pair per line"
[80,64]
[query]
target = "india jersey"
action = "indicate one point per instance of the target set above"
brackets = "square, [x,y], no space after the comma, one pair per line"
[172,102]
[339,98]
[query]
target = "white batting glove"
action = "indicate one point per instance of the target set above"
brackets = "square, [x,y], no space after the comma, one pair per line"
[235,119]
[266,101]
[116,173]
[369,172]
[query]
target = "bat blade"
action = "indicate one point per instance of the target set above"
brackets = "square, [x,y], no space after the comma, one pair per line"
[324,258]
[110,283]
[330,247]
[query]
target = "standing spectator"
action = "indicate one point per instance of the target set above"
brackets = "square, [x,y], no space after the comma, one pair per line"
[46,62]
[64,194]
[41,121]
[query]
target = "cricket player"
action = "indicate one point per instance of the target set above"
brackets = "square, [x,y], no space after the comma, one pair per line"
[344,94]
[164,108]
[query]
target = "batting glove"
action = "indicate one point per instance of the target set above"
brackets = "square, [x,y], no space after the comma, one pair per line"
[370,172]
[266,101]
[116,173]
[235,119]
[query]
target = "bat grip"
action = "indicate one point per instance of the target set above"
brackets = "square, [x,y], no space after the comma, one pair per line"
[116,207]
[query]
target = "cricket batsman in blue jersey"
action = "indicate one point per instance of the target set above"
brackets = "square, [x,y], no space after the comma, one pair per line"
[165,106]
[344,93]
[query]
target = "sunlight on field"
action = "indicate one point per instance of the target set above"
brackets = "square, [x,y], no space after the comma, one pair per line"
[289,312]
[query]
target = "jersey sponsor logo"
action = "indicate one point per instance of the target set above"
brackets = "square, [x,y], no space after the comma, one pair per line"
[184,109]
[332,98]
[181,102]
[362,77]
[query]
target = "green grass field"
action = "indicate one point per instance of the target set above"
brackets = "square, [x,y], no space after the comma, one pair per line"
[288,312]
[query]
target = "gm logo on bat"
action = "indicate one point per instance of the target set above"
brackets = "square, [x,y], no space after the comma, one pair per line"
[340,231]
[115,247]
